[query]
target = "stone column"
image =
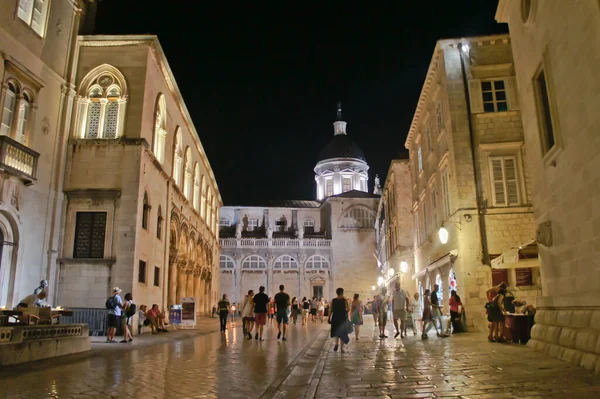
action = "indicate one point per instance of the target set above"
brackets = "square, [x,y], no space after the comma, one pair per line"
[172,293]
[181,279]
[197,274]
[189,287]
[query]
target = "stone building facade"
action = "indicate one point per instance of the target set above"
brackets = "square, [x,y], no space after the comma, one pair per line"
[470,178]
[36,53]
[311,247]
[394,228]
[557,55]
[142,203]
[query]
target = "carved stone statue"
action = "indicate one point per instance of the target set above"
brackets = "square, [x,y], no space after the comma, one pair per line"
[377,188]
[270,232]
[238,231]
[300,232]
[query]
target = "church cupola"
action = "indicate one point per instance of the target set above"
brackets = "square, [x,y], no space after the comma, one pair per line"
[341,165]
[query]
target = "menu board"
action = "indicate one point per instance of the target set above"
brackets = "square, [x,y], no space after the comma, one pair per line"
[499,276]
[524,276]
[188,310]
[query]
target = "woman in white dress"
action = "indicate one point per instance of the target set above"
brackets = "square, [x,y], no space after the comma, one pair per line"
[321,309]
[248,314]
[417,313]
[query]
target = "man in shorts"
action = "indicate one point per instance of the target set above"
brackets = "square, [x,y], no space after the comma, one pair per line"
[261,300]
[282,303]
[400,303]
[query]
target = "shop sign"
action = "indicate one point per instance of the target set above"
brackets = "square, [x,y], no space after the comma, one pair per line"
[188,311]
[499,276]
[524,276]
[175,315]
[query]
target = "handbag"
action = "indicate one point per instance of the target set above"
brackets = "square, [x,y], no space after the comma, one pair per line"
[349,327]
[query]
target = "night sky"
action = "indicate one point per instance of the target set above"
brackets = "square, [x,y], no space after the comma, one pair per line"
[262,82]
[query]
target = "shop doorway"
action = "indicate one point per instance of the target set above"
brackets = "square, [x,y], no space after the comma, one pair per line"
[317,291]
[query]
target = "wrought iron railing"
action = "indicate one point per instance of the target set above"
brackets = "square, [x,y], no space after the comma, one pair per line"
[18,159]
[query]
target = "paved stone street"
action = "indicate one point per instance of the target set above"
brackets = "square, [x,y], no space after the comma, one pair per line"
[209,366]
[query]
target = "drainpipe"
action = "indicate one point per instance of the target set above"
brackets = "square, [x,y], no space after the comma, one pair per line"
[478,188]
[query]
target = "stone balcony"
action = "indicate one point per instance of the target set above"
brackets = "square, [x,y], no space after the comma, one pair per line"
[18,160]
[275,243]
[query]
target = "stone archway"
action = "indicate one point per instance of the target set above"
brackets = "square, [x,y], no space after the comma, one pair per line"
[173,248]
[182,263]
[8,262]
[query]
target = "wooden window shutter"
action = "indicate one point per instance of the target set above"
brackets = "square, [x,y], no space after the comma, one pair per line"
[498,191]
[475,96]
[512,95]
[510,175]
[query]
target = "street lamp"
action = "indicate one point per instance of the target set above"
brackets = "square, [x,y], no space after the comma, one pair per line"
[443,233]
[403,267]
[391,272]
[380,281]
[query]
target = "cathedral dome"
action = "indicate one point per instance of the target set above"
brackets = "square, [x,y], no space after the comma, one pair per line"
[341,146]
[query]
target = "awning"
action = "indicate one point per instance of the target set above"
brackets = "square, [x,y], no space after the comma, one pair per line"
[448,258]
[525,255]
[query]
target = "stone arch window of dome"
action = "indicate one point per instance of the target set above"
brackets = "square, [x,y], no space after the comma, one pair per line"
[177,157]
[316,262]
[159,223]
[196,201]
[226,262]
[285,262]
[18,106]
[204,188]
[358,217]
[160,128]
[145,211]
[188,174]
[309,226]
[208,219]
[254,262]
[101,104]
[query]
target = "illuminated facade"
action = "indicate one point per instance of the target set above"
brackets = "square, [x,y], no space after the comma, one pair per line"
[311,247]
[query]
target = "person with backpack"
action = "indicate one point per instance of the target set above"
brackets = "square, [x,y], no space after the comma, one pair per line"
[129,309]
[114,304]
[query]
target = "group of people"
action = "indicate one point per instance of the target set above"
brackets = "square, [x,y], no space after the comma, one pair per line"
[255,312]
[407,314]
[121,312]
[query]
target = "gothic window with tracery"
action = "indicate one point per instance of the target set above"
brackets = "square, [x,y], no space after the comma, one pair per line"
[160,129]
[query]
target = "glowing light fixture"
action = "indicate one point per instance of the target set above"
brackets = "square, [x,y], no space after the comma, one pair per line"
[465,48]
[373,288]
[443,233]
[391,272]
[403,267]
[380,281]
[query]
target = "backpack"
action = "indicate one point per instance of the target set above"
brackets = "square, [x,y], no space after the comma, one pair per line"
[131,309]
[111,303]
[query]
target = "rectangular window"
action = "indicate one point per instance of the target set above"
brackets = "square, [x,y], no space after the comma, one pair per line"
[281,225]
[156,276]
[505,185]
[425,223]
[33,13]
[433,209]
[494,96]
[446,194]
[142,272]
[252,224]
[328,187]
[417,227]
[499,276]
[544,112]
[223,222]
[347,184]
[90,230]
[439,115]
[420,159]
[428,134]
[7,112]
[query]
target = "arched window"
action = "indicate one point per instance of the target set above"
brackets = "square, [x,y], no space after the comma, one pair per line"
[197,187]
[309,226]
[254,262]
[285,262]
[160,128]
[159,223]
[101,104]
[209,208]
[145,211]
[187,181]
[177,157]
[226,262]
[8,109]
[204,188]
[316,262]
[358,218]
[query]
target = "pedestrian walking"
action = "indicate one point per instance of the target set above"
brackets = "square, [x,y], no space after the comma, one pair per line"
[357,315]
[400,304]
[320,309]
[295,310]
[340,325]
[382,305]
[271,309]
[455,312]
[313,309]
[427,316]
[129,309]
[114,304]
[224,310]
[496,314]
[436,312]
[491,295]
[305,310]
[261,303]
[375,310]
[248,314]
[417,313]
[282,304]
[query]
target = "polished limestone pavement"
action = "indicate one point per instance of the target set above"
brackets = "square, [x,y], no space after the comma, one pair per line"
[213,365]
